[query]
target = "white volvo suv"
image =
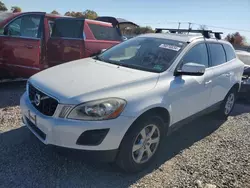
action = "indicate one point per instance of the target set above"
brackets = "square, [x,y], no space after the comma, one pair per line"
[119,105]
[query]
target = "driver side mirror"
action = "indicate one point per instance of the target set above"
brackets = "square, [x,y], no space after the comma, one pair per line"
[192,69]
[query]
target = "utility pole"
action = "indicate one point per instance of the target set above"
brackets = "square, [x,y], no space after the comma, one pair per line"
[179,25]
[189,26]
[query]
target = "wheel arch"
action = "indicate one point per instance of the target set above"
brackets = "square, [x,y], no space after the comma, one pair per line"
[163,112]
[236,86]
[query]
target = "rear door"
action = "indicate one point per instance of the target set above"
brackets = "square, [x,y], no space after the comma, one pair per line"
[222,73]
[100,36]
[21,44]
[66,42]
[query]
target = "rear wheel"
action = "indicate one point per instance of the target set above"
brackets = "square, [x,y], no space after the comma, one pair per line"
[141,144]
[228,104]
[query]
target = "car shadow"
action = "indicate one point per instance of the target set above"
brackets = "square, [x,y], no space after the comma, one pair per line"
[241,107]
[11,93]
[25,161]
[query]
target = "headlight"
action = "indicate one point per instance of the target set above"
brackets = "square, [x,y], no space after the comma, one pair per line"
[98,110]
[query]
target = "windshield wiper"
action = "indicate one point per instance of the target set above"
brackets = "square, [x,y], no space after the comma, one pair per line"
[97,58]
[137,67]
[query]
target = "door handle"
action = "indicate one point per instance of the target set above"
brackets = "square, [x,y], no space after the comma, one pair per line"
[208,82]
[28,46]
[228,74]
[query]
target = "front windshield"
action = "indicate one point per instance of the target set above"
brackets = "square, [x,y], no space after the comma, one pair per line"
[144,53]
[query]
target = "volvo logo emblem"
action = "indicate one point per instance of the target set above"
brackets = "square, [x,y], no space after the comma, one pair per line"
[37,99]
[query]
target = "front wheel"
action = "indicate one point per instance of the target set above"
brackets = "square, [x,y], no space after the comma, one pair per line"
[228,104]
[141,144]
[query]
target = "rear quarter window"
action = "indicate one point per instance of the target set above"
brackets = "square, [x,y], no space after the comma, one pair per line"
[230,53]
[217,52]
[105,33]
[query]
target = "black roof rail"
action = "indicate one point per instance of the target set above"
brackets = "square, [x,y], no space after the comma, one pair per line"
[205,33]
[217,34]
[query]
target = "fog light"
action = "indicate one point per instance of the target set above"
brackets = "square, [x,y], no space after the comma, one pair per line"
[92,137]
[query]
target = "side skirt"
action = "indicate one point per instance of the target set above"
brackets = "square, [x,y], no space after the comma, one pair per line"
[208,110]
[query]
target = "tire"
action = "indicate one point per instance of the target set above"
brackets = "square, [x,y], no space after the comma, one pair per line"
[226,108]
[129,160]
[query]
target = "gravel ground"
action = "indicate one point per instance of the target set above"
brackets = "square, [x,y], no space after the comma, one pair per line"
[204,153]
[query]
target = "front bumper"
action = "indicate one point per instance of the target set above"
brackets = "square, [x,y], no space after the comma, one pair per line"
[65,132]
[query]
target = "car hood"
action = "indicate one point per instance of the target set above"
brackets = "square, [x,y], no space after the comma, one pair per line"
[89,79]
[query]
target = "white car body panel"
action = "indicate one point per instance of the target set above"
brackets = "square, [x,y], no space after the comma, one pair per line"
[225,77]
[88,79]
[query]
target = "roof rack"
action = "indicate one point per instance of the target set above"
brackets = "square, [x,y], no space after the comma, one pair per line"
[205,33]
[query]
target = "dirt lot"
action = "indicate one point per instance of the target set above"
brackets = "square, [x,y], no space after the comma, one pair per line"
[206,151]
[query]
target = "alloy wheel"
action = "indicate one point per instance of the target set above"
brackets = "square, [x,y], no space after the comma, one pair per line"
[146,144]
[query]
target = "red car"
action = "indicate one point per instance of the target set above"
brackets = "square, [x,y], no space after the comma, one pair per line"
[33,41]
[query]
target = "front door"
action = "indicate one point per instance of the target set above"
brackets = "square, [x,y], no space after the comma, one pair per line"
[66,42]
[190,94]
[21,44]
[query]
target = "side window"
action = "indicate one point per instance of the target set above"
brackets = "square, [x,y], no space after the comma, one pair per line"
[1,31]
[218,55]
[198,54]
[25,26]
[229,52]
[105,33]
[68,28]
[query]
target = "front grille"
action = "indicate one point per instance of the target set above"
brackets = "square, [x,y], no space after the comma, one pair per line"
[42,102]
[36,129]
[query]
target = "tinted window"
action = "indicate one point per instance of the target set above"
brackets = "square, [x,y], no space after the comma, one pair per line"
[198,54]
[68,28]
[105,33]
[25,26]
[218,55]
[143,53]
[229,52]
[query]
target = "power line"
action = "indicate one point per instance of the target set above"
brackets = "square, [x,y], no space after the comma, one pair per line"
[243,30]
[191,23]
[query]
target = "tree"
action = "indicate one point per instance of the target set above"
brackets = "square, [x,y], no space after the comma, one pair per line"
[16,9]
[79,15]
[2,6]
[236,39]
[90,14]
[67,14]
[142,30]
[74,14]
[55,12]
[202,27]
